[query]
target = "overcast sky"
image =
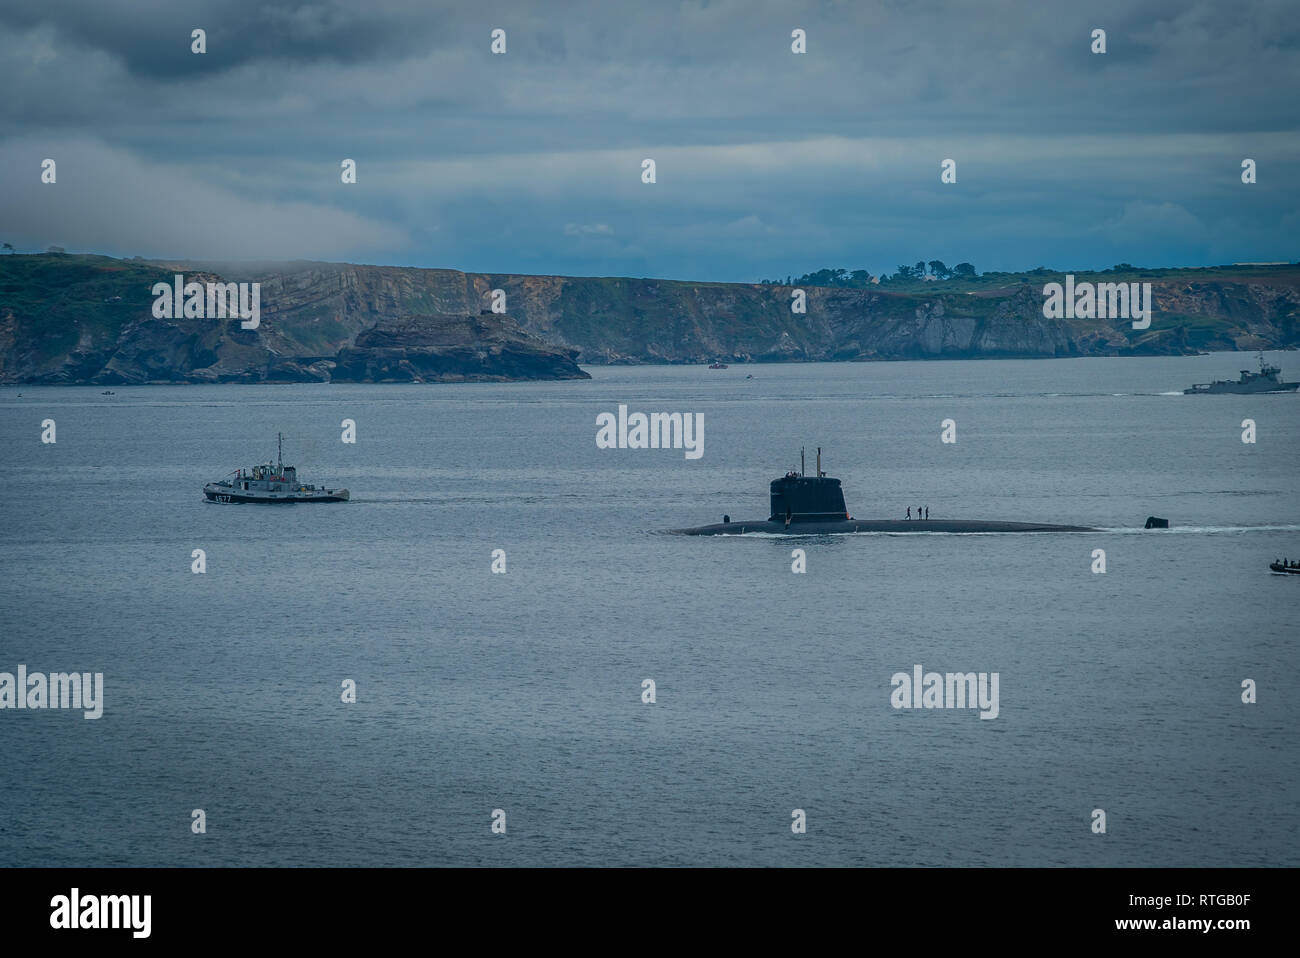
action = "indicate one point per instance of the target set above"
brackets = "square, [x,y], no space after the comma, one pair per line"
[768,162]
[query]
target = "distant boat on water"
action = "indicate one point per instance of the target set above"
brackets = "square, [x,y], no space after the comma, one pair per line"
[719,366]
[270,482]
[1267,380]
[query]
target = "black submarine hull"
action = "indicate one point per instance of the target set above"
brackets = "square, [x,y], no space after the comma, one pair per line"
[814,506]
[838,527]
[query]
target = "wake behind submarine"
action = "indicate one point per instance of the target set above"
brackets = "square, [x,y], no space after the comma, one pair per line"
[814,505]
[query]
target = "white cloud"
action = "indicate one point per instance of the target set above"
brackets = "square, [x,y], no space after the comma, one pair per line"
[108,200]
[587,229]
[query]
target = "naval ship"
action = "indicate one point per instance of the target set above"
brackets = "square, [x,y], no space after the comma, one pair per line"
[270,482]
[1267,380]
[814,505]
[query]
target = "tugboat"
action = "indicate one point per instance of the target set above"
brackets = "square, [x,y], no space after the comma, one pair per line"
[814,505]
[1267,380]
[270,482]
[718,365]
[1283,567]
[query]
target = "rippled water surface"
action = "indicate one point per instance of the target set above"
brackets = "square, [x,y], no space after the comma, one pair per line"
[522,691]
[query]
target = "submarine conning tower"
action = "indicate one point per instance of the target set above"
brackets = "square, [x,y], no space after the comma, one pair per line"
[800,498]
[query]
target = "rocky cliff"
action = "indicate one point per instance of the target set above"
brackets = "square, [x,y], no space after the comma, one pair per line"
[89,319]
[442,348]
[620,320]
[75,319]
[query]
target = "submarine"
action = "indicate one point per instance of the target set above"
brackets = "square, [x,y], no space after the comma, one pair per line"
[814,506]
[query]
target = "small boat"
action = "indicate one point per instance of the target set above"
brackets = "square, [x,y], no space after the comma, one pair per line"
[1285,568]
[270,482]
[1267,380]
[719,366]
[108,392]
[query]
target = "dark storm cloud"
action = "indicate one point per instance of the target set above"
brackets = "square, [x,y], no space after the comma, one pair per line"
[769,162]
[152,39]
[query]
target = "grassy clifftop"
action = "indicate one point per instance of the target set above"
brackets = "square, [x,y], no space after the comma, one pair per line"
[50,303]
